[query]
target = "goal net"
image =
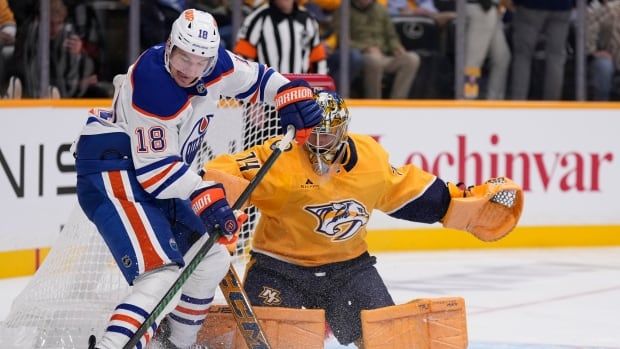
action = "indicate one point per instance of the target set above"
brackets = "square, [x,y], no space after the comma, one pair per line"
[76,289]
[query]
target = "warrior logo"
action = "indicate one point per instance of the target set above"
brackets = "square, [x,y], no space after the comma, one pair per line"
[270,296]
[194,139]
[340,220]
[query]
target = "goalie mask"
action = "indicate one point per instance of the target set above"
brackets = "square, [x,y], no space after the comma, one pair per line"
[195,33]
[327,141]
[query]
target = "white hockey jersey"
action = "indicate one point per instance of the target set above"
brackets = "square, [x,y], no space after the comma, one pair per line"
[167,123]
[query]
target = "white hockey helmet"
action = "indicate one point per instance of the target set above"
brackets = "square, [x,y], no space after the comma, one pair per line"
[194,32]
[326,142]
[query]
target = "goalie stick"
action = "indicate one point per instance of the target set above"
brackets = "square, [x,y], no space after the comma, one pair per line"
[246,319]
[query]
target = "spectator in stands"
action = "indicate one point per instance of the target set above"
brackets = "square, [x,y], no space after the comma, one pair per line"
[531,17]
[356,60]
[283,35]
[418,8]
[7,40]
[156,19]
[485,37]
[406,8]
[603,46]
[371,30]
[88,27]
[71,70]
[323,11]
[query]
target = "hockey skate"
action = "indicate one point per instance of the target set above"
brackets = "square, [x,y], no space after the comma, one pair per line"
[92,340]
[161,339]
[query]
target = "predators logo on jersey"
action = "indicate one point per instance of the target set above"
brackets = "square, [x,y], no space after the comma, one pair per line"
[270,296]
[339,220]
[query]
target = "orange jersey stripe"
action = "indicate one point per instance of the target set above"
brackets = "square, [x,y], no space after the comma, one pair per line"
[228,72]
[191,311]
[154,179]
[151,259]
[127,319]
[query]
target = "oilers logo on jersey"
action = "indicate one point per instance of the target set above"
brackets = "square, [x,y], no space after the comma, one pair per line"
[340,220]
[195,138]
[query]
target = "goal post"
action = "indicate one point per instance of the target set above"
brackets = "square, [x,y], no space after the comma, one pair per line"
[77,287]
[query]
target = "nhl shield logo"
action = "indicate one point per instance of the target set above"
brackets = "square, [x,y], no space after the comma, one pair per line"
[126,261]
[173,244]
[201,88]
[339,220]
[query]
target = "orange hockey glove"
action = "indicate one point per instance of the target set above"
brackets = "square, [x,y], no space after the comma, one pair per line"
[489,211]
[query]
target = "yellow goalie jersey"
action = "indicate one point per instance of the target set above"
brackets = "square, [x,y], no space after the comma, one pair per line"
[310,220]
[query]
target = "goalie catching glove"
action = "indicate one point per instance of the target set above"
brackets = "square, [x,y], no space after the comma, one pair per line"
[210,204]
[296,105]
[489,211]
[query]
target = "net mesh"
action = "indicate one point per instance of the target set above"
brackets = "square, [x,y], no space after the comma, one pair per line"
[77,287]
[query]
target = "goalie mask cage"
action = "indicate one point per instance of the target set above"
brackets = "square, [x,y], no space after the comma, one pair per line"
[76,289]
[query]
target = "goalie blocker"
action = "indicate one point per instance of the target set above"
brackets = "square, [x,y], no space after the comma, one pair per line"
[422,324]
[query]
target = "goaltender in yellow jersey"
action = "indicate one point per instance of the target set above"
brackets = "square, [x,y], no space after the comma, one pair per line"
[310,221]
[309,249]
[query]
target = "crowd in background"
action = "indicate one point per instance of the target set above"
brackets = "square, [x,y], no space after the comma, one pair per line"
[404,49]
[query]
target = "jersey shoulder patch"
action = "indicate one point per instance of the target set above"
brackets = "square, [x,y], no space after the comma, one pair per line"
[154,91]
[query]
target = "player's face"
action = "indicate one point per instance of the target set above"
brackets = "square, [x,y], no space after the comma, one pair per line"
[186,68]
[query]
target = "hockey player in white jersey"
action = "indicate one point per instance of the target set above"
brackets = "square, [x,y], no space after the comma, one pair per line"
[134,180]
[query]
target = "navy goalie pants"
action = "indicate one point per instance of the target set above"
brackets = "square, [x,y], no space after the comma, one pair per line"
[342,289]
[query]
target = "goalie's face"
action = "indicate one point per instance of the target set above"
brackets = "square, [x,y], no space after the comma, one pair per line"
[326,142]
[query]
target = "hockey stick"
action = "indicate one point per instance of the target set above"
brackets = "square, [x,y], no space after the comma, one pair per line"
[257,339]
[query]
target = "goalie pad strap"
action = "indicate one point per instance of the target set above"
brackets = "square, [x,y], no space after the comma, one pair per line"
[421,323]
[284,328]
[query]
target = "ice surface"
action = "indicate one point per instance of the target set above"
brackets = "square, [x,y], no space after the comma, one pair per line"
[516,298]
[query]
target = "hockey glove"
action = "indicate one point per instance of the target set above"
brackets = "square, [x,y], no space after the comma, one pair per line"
[296,105]
[489,211]
[210,204]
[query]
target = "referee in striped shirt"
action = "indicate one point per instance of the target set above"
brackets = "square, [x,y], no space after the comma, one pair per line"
[283,35]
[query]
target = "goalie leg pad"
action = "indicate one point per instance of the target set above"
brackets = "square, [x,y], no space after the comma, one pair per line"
[284,328]
[423,324]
